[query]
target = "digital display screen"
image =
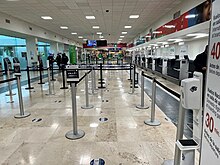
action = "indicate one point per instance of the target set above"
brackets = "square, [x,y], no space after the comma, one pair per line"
[91,43]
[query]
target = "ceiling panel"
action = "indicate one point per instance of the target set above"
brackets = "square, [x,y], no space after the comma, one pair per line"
[72,14]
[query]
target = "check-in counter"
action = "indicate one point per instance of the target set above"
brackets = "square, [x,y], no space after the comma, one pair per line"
[158,65]
[149,63]
[178,68]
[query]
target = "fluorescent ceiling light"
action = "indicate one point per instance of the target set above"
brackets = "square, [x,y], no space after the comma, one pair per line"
[190,16]
[153,44]
[101,36]
[95,27]
[164,43]
[181,43]
[80,36]
[134,16]
[74,33]
[90,17]
[46,17]
[63,27]
[128,27]
[120,39]
[122,36]
[201,36]
[175,40]
[99,33]
[124,32]
[157,32]
[169,26]
[12,0]
[197,34]
[84,39]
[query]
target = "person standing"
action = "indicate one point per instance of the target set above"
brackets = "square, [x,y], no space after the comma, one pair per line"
[64,59]
[58,60]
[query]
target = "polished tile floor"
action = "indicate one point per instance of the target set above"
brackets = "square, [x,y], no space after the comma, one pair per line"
[123,140]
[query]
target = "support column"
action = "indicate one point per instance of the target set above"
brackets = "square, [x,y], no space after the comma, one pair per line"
[32,50]
[54,48]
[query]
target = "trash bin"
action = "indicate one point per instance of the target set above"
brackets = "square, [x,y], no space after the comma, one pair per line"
[187,147]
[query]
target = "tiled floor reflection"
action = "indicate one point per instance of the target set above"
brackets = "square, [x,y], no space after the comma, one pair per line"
[123,140]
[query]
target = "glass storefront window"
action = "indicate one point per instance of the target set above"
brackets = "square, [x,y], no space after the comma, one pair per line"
[43,51]
[12,47]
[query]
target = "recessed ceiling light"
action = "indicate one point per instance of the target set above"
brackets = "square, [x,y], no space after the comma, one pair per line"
[84,39]
[90,17]
[80,36]
[95,27]
[99,33]
[128,27]
[191,16]
[169,26]
[101,36]
[124,32]
[120,39]
[196,34]
[46,17]
[134,16]
[63,27]
[122,36]
[157,32]
[74,33]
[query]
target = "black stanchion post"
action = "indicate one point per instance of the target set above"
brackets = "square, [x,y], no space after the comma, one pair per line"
[63,75]
[29,81]
[101,79]
[40,69]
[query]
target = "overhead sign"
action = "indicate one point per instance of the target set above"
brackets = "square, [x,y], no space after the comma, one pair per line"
[210,151]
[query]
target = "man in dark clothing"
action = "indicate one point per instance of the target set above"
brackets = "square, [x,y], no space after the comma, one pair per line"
[201,62]
[201,66]
[58,60]
[64,59]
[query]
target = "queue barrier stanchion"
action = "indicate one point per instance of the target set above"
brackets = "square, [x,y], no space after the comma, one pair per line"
[49,82]
[73,79]
[133,82]
[22,114]
[63,75]
[87,106]
[9,88]
[101,77]
[41,69]
[130,71]
[153,121]
[93,82]
[142,106]
[52,73]
[29,81]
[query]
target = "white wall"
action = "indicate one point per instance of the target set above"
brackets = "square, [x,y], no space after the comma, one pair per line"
[20,26]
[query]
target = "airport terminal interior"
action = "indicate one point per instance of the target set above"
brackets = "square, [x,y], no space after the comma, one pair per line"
[109,82]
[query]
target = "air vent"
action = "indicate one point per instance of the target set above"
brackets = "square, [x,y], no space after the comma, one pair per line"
[7,21]
[176,15]
[30,28]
